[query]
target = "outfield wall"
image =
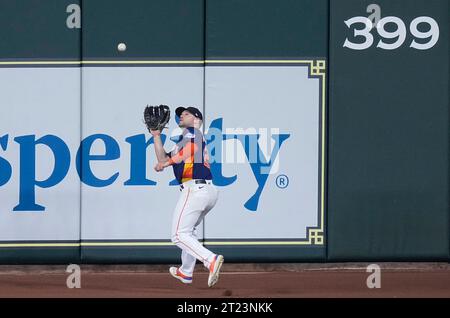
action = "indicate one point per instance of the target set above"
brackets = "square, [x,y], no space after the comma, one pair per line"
[329,136]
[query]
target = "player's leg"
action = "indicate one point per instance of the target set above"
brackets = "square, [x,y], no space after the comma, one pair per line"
[213,195]
[188,261]
[186,215]
[216,262]
[185,271]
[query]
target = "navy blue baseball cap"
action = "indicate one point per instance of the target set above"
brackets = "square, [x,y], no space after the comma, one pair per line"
[194,111]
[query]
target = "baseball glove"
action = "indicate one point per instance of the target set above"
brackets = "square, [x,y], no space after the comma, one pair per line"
[156,117]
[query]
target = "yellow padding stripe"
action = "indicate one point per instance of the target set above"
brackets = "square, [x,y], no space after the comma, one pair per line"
[100,244]
[151,62]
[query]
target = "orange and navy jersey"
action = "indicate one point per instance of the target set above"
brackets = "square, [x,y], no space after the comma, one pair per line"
[190,157]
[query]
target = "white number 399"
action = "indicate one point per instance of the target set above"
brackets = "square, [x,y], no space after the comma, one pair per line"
[399,34]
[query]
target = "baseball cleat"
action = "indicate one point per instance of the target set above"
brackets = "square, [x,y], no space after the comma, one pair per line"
[214,270]
[175,272]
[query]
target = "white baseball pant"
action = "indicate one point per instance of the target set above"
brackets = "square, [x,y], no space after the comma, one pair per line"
[195,201]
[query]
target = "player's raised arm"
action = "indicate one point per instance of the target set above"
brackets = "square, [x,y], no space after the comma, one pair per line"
[161,154]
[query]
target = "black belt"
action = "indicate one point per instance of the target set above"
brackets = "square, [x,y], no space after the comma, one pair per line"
[197,181]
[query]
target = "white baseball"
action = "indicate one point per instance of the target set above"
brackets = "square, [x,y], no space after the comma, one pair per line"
[121,47]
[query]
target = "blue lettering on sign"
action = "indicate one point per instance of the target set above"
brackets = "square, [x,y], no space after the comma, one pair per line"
[5,167]
[138,162]
[216,167]
[261,167]
[138,166]
[112,152]
[28,182]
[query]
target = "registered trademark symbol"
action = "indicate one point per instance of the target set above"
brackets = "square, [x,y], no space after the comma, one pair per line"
[282,181]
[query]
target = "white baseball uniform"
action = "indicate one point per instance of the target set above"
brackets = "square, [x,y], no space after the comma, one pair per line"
[195,201]
[189,160]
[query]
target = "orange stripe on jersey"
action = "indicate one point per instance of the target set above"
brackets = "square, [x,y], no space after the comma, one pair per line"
[186,154]
[188,171]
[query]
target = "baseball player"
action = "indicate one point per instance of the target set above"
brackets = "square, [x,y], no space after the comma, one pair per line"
[189,160]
